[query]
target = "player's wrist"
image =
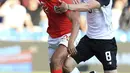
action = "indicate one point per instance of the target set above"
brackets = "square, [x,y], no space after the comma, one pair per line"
[71,41]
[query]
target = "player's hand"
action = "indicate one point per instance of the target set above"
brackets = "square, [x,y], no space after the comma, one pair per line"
[71,49]
[57,9]
[63,6]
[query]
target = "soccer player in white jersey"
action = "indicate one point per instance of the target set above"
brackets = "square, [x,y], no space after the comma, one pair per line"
[99,40]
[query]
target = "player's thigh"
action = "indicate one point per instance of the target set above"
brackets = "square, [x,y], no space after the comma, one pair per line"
[106,52]
[61,50]
[84,51]
[60,53]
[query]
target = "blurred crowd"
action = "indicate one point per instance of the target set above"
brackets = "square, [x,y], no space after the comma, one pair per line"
[24,20]
[121,20]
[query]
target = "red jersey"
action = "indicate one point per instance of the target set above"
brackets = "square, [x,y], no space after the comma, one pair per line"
[59,24]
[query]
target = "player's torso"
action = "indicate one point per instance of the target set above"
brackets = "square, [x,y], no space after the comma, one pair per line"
[59,24]
[100,23]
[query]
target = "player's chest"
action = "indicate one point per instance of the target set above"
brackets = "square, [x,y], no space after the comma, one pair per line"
[49,7]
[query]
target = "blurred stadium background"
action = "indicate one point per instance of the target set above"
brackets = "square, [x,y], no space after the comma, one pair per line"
[23,37]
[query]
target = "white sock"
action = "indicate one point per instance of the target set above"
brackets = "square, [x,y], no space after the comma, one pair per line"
[75,70]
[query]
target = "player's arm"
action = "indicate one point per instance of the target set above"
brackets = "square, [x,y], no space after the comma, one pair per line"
[75,19]
[91,4]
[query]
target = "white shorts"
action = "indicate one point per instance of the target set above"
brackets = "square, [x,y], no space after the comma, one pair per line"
[55,42]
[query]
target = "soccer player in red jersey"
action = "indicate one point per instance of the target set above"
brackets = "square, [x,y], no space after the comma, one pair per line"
[63,28]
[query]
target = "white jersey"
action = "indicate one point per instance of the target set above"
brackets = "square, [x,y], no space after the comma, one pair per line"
[100,22]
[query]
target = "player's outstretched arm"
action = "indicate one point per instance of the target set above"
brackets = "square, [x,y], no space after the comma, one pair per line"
[91,4]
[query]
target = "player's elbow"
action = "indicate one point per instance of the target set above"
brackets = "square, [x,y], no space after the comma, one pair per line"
[75,17]
[93,5]
[76,23]
[97,5]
